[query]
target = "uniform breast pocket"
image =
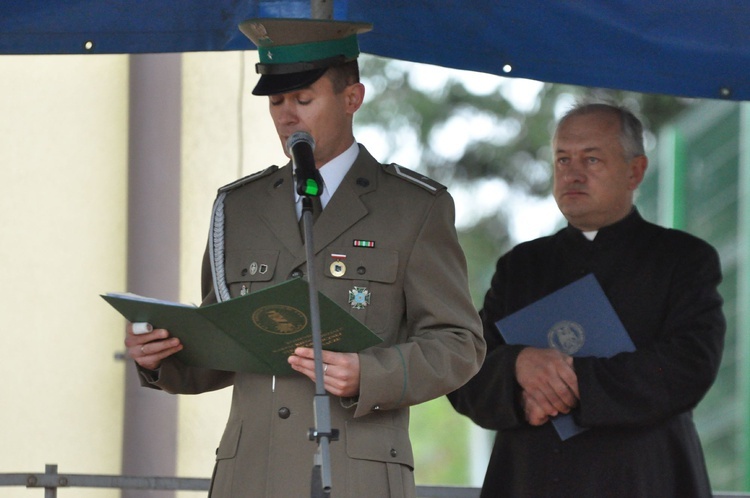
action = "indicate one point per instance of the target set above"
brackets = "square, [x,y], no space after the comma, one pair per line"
[366,282]
[250,268]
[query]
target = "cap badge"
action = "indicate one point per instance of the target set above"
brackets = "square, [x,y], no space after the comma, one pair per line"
[261,32]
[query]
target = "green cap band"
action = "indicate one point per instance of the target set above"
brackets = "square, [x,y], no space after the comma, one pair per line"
[310,52]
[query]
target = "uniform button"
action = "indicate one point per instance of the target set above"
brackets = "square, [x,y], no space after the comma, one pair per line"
[376,408]
[284,412]
[361,270]
[394,453]
[244,272]
[296,273]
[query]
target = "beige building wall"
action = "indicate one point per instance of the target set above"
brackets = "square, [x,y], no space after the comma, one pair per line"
[63,217]
[63,158]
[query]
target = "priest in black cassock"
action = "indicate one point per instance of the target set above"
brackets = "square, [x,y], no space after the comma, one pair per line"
[641,440]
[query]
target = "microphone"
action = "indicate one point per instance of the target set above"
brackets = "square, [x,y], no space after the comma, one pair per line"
[300,146]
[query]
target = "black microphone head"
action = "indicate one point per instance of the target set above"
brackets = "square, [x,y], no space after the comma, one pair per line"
[301,146]
[297,137]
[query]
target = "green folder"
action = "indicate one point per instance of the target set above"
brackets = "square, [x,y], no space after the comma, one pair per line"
[252,333]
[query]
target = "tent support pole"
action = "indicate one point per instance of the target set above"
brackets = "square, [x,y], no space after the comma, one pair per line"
[150,422]
[321,9]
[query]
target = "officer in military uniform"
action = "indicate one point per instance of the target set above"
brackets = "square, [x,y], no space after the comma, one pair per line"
[385,248]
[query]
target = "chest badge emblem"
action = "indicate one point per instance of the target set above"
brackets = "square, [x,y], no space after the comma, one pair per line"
[359,298]
[338,268]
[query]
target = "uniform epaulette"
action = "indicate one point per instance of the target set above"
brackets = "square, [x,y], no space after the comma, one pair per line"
[416,178]
[248,179]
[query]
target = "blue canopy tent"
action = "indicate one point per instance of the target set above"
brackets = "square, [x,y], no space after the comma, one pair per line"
[686,48]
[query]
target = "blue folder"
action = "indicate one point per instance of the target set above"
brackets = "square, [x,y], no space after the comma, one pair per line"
[578,320]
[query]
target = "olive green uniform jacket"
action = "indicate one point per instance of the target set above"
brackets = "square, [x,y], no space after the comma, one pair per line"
[419,305]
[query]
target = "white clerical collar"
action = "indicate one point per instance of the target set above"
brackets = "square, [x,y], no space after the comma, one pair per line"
[333,173]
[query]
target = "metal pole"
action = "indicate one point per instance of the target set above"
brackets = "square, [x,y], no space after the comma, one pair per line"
[150,426]
[743,293]
[50,492]
[321,481]
[321,9]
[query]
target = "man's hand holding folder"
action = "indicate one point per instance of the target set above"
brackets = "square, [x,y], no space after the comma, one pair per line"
[574,321]
[550,385]
[151,348]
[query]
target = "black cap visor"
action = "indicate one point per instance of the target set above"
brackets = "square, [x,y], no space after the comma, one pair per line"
[272,84]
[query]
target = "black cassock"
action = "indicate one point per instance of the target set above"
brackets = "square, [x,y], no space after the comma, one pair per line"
[642,441]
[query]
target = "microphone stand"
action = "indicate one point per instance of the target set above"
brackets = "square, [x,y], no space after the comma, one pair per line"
[322,433]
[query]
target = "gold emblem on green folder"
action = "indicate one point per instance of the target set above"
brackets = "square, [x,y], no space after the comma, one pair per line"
[252,333]
[279,319]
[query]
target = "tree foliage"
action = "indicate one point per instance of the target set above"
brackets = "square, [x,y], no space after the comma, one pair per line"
[516,147]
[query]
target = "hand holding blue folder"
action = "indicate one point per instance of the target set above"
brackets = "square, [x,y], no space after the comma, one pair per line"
[577,320]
